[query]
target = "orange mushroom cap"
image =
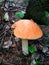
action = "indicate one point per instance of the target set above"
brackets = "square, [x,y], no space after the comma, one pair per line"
[27,29]
[14,25]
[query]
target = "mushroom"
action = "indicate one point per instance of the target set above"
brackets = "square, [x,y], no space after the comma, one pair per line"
[26,30]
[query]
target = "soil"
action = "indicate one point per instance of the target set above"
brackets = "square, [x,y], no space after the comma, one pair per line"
[13,55]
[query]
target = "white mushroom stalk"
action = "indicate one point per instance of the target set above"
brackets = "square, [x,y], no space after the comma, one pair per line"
[25,46]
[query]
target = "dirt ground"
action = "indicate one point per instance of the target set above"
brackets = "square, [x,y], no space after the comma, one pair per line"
[13,55]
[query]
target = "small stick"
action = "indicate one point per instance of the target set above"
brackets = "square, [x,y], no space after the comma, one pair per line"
[2,41]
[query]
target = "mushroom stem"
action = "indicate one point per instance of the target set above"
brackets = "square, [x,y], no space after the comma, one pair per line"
[25,46]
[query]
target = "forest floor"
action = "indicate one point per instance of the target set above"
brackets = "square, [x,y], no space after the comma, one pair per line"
[13,55]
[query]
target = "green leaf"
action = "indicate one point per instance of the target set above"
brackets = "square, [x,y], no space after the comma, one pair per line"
[20,14]
[32,49]
[37,63]
[45,17]
[46,13]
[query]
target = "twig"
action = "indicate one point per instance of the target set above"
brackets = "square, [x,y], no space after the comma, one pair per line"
[7,62]
[2,41]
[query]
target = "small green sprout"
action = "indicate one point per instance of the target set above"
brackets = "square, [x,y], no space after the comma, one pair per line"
[37,63]
[20,14]
[46,13]
[32,49]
